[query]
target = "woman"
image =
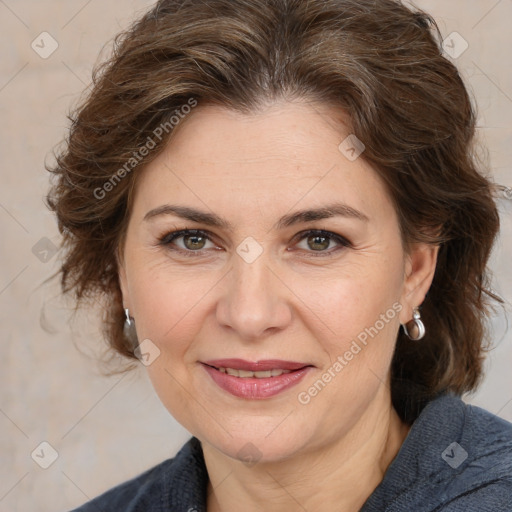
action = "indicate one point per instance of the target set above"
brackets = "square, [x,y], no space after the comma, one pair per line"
[280,202]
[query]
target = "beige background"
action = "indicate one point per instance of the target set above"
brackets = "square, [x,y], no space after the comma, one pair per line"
[107,430]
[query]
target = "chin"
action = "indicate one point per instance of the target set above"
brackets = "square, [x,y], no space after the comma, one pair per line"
[267,442]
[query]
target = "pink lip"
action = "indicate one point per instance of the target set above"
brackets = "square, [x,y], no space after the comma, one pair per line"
[252,387]
[258,366]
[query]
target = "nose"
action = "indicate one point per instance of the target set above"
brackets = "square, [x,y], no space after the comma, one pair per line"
[255,301]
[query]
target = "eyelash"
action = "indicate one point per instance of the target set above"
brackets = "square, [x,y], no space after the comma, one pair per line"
[168,238]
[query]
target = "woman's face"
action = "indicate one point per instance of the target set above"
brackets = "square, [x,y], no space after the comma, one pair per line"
[297,261]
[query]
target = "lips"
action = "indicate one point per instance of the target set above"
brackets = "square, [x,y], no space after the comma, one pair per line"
[255,380]
[258,366]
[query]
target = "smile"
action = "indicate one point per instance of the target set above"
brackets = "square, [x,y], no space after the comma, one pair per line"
[255,381]
[243,374]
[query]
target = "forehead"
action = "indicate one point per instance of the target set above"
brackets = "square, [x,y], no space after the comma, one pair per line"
[284,155]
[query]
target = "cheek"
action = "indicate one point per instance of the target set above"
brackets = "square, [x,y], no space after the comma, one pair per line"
[168,304]
[361,307]
[170,310]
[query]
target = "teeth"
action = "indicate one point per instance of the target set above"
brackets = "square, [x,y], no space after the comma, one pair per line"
[259,375]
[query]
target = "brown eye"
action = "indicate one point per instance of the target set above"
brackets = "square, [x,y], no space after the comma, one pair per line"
[187,241]
[318,242]
[194,242]
[321,243]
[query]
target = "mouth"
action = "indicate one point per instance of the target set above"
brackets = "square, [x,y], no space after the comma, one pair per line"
[244,374]
[258,366]
[255,380]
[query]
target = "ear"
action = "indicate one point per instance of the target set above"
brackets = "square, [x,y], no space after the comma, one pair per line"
[420,268]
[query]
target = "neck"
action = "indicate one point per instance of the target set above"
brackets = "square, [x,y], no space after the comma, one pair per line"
[340,475]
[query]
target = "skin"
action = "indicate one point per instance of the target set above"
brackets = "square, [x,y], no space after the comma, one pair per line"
[299,301]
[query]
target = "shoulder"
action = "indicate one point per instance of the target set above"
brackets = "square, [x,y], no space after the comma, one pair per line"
[478,461]
[139,491]
[479,441]
[457,457]
[177,480]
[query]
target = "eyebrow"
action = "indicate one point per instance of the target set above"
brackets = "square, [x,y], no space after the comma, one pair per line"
[211,219]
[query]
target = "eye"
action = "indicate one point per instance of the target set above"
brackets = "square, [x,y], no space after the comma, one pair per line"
[320,241]
[188,240]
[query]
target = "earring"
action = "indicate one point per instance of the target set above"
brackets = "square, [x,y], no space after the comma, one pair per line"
[415,329]
[128,320]
[129,329]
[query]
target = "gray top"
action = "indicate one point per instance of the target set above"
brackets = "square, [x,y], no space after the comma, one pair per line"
[456,458]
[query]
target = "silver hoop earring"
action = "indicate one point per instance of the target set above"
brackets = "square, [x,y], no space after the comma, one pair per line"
[129,329]
[128,320]
[415,329]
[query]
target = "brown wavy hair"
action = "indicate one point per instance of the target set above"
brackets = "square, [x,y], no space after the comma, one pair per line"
[405,101]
